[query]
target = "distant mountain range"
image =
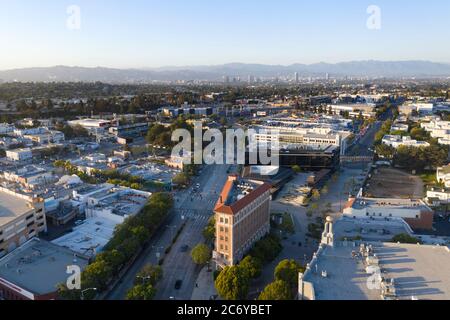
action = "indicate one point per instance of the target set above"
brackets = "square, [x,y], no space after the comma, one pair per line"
[370,68]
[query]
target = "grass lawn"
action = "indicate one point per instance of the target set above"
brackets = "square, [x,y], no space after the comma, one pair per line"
[429,178]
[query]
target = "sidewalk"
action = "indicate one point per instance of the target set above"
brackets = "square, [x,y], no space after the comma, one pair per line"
[205,287]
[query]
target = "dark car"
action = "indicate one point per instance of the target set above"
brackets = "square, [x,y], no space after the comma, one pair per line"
[178,284]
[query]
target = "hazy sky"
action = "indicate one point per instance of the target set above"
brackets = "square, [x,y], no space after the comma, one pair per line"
[151,33]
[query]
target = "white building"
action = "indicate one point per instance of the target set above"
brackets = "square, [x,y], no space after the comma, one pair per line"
[29,176]
[400,127]
[95,127]
[443,175]
[319,137]
[415,212]
[354,109]
[19,154]
[438,129]
[6,128]
[397,141]
[437,196]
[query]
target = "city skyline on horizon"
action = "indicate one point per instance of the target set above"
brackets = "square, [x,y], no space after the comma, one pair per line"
[181,67]
[155,34]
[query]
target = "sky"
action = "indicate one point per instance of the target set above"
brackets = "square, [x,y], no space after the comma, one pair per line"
[155,33]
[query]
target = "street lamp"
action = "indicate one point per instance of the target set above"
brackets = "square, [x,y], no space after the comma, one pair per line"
[85,290]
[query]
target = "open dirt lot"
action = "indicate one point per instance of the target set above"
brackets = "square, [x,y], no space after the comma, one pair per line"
[393,183]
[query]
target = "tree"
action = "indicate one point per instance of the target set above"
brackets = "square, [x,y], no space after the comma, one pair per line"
[181,179]
[277,290]
[267,249]
[97,275]
[232,283]
[149,274]
[385,151]
[141,292]
[209,233]
[288,270]
[406,238]
[65,294]
[251,266]
[296,168]
[201,254]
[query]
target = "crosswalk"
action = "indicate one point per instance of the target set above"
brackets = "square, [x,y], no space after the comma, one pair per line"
[192,214]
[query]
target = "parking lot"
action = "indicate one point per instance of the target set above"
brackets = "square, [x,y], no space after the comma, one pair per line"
[394,183]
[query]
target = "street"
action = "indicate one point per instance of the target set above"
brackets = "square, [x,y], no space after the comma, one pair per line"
[194,208]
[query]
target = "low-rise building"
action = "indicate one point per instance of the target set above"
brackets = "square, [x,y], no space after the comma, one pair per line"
[438,129]
[396,141]
[242,218]
[6,128]
[400,127]
[19,154]
[443,175]
[35,269]
[117,203]
[354,110]
[374,269]
[29,176]
[89,238]
[437,196]
[415,212]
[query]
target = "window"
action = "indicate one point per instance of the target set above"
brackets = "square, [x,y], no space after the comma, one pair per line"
[30,224]
[30,216]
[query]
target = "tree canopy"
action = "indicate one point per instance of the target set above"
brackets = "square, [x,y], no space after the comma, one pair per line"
[277,290]
[232,283]
[201,254]
[288,270]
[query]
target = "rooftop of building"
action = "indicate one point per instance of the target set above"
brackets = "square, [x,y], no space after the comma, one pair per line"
[362,203]
[90,237]
[39,266]
[12,207]
[418,270]
[237,193]
[122,201]
[29,170]
[346,277]
[369,229]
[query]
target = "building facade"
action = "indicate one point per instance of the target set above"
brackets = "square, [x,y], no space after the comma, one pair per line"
[21,218]
[242,218]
